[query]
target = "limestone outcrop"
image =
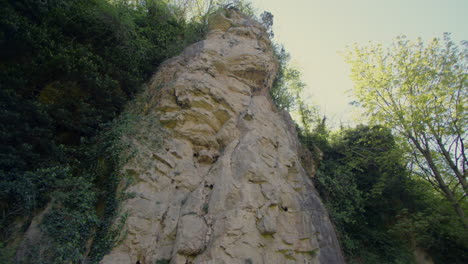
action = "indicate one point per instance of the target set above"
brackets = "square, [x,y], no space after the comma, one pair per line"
[227,185]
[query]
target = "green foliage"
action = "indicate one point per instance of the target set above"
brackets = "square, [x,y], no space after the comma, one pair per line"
[313,252]
[6,254]
[72,220]
[287,91]
[359,168]
[420,90]
[245,7]
[281,95]
[380,212]
[267,20]
[205,208]
[67,69]
[429,221]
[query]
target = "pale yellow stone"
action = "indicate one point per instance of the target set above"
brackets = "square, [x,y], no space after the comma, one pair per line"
[227,185]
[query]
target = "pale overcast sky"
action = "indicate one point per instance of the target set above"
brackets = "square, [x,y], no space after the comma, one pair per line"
[314,31]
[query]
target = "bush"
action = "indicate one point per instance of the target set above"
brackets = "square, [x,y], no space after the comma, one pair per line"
[67,70]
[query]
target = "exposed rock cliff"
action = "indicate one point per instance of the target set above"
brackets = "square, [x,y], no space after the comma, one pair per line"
[227,185]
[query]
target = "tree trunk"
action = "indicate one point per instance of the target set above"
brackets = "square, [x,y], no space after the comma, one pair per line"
[440,180]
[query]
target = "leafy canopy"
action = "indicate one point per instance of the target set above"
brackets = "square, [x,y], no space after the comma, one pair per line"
[420,90]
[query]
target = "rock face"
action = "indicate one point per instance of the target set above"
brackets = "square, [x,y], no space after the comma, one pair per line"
[227,185]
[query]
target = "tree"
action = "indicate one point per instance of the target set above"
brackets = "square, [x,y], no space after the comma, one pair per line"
[420,90]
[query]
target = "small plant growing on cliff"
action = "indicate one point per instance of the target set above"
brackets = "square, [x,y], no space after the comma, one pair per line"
[267,20]
[313,252]
[205,208]
[248,261]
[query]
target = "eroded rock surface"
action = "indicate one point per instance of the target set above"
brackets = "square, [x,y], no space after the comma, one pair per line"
[227,185]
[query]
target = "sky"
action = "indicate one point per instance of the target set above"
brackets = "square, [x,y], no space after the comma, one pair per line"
[314,32]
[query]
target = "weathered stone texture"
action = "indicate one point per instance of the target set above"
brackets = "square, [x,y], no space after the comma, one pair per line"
[227,186]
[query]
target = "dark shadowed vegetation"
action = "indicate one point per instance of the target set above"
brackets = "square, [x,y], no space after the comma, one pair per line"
[382,212]
[67,69]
